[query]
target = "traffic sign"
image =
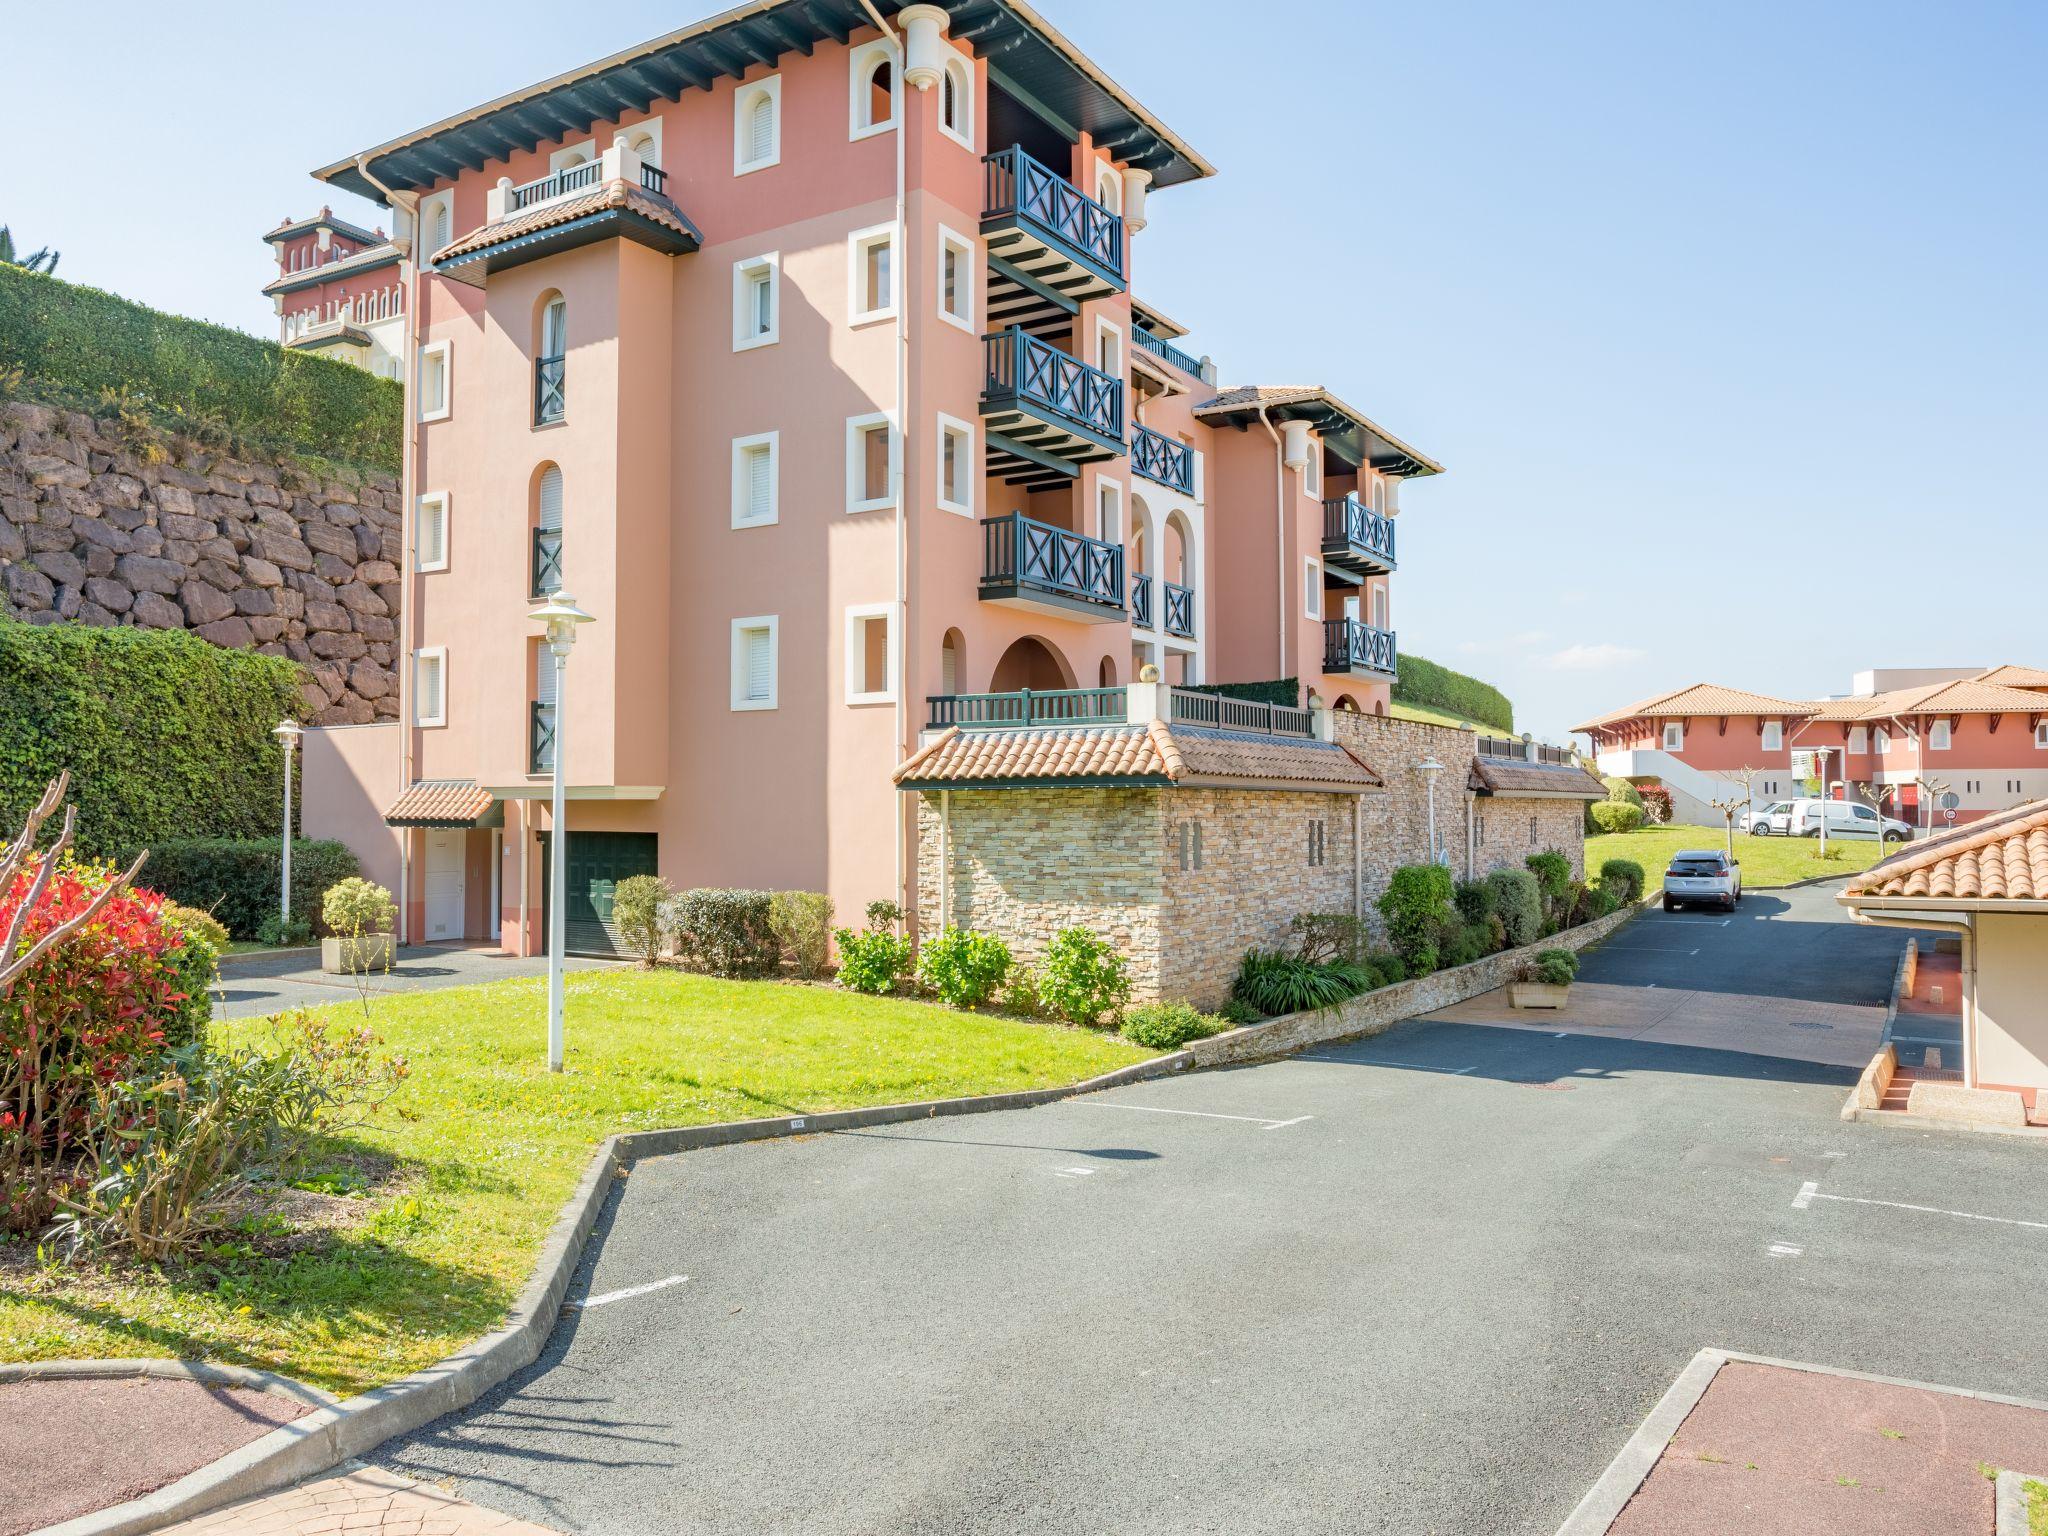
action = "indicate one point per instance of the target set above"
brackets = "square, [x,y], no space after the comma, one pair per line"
[1950,801]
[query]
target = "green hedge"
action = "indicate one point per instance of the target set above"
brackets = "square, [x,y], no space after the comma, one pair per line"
[79,341]
[237,879]
[1423,682]
[165,735]
[1285,690]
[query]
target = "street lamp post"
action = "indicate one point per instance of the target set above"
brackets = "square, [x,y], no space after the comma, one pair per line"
[1429,767]
[287,733]
[560,615]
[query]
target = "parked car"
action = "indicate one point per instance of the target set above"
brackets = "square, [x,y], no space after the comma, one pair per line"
[1701,875]
[1845,818]
[1773,820]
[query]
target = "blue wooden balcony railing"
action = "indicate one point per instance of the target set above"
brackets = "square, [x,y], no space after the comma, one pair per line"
[1019,187]
[1027,707]
[1020,556]
[1039,379]
[1349,646]
[1160,347]
[1192,706]
[541,739]
[1180,611]
[1356,536]
[547,560]
[1141,601]
[1163,459]
[550,398]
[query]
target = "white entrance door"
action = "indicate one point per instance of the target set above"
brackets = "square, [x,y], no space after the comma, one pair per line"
[444,887]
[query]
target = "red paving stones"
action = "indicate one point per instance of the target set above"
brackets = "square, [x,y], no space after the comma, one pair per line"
[72,1446]
[1769,1450]
[361,1501]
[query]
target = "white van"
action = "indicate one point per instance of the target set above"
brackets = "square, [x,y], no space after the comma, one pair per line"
[1846,818]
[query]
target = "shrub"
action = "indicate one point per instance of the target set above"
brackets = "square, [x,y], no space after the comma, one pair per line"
[81,341]
[1624,878]
[641,906]
[963,967]
[1084,979]
[884,913]
[195,965]
[1553,872]
[1591,903]
[1464,943]
[1388,967]
[355,907]
[802,924]
[236,879]
[1621,792]
[1473,899]
[873,961]
[1322,936]
[198,923]
[725,932]
[1419,681]
[1416,905]
[1552,967]
[1657,805]
[1615,815]
[1020,993]
[1278,981]
[1424,960]
[1236,1011]
[1518,903]
[173,735]
[284,932]
[1169,1026]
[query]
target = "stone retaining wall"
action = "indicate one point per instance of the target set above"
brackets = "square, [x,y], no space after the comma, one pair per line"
[101,524]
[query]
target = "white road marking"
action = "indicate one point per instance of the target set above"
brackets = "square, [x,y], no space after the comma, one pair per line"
[1785,1250]
[1073,1173]
[1834,1154]
[1202,1114]
[1417,1066]
[626,1295]
[1805,1196]
[1930,1210]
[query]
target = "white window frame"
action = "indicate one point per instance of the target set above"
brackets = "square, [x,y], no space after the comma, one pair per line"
[1106,171]
[587,149]
[1113,490]
[421,563]
[1880,741]
[430,210]
[652,128]
[860,62]
[1859,739]
[954,425]
[1312,587]
[743,273]
[857,428]
[969,252]
[445,351]
[438,654]
[1123,362]
[740,628]
[1312,469]
[2041,735]
[1774,736]
[742,97]
[1939,736]
[1673,736]
[959,65]
[857,618]
[857,245]
[741,447]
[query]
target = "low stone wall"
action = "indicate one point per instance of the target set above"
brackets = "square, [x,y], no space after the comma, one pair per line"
[1375,1012]
[103,525]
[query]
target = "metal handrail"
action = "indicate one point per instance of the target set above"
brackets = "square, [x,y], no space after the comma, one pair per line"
[570,178]
[1023,368]
[1348,644]
[1192,706]
[1160,347]
[550,389]
[547,561]
[1016,185]
[1141,601]
[1523,751]
[654,179]
[1180,611]
[1026,708]
[1348,520]
[1021,551]
[1163,459]
[540,739]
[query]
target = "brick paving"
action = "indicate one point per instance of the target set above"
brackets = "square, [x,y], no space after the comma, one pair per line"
[361,1501]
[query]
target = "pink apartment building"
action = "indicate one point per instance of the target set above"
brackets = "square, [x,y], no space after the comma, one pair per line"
[1979,735]
[339,291]
[804,353]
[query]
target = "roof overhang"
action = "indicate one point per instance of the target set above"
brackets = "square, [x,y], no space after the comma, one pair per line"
[446,803]
[334,271]
[297,227]
[476,263]
[539,790]
[1353,436]
[342,336]
[1937,906]
[1036,64]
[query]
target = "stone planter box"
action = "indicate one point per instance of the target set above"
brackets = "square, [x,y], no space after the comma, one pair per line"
[1538,994]
[371,952]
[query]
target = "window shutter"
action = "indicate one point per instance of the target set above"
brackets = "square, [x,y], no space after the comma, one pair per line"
[761,128]
[949,671]
[428,705]
[432,537]
[443,222]
[551,499]
[760,664]
[760,481]
[545,692]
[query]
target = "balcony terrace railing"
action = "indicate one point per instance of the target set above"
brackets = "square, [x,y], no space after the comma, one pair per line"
[550,401]
[1021,556]
[1026,708]
[1350,646]
[1020,188]
[577,178]
[1029,375]
[541,739]
[1524,751]
[1356,537]
[547,561]
[1141,601]
[1165,350]
[1163,459]
[1180,611]
[1192,706]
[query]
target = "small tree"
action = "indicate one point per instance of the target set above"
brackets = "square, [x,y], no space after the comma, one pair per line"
[43,260]
[1734,800]
[18,856]
[354,910]
[638,904]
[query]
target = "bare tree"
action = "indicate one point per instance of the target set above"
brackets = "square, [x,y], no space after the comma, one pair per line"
[15,858]
[1737,779]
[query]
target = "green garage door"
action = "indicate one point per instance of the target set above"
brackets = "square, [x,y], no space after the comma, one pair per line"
[598,861]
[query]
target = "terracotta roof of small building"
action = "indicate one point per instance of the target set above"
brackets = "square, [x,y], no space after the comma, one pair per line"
[1507,776]
[287,228]
[2010,676]
[2002,858]
[370,260]
[440,803]
[1314,400]
[1699,700]
[614,194]
[1151,753]
[1971,696]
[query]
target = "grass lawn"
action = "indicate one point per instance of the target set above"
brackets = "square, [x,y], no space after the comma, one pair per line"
[1430,716]
[433,1213]
[2037,1508]
[1766,861]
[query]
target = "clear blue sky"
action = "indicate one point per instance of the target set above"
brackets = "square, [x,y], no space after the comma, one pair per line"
[1726,320]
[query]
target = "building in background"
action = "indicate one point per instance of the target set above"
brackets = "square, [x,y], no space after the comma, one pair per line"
[339,292]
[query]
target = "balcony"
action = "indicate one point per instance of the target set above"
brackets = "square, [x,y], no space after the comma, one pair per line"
[1218,711]
[547,561]
[1180,611]
[1349,646]
[1141,602]
[1046,413]
[1163,460]
[1356,538]
[1050,246]
[617,195]
[550,399]
[1167,352]
[1068,707]
[540,739]
[1033,565]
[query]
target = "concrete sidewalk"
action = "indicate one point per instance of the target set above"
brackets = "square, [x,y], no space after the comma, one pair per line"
[272,984]
[361,1501]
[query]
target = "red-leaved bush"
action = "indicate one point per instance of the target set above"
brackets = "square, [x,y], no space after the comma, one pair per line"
[78,1018]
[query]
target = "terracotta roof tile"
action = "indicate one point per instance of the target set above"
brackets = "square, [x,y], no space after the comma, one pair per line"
[1698,700]
[1151,753]
[1972,696]
[2015,677]
[1506,776]
[2002,858]
[383,254]
[440,803]
[616,193]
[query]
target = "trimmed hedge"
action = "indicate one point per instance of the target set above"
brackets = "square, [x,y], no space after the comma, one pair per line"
[165,735]
[1284,690]
[236,878]
[1421,681]
[82,340]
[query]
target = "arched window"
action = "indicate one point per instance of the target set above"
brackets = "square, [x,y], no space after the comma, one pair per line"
[1105,675]
[875,92]
[547,535]
[1109,189]
[757,138]
[643,145]
[956,98]
[952,663]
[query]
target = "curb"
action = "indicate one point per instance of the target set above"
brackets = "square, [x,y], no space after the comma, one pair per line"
[204,1372]
[2012,1502]
[339,1430]
[251,956]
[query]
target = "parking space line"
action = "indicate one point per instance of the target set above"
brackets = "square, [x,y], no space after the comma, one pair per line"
[1201,1114]
[626,1295]
[1808,1193]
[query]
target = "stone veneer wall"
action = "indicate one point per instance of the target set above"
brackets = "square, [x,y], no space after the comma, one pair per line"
[1508,828]
[249,555]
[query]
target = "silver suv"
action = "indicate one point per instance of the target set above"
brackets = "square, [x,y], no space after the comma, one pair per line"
[1700,875]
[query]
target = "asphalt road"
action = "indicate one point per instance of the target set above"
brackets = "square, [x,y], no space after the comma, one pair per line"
[1429,1282]
[266,984]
